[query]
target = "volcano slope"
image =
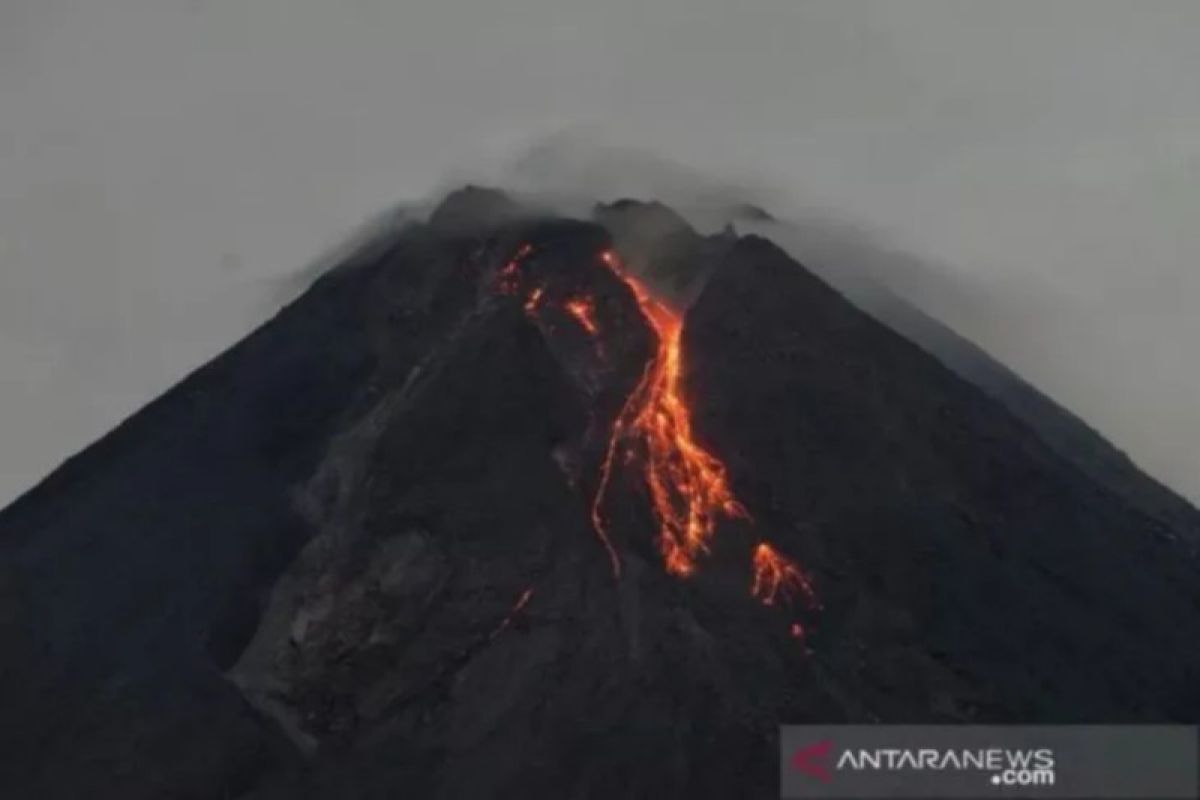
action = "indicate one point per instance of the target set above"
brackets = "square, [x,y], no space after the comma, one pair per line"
[481,515]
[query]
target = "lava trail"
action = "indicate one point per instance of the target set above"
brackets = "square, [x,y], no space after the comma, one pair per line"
[688,486]
[584,313]
[777,578]
[518,607]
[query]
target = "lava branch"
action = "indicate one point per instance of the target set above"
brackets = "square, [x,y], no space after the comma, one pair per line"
[518,607]
[606,470]
[689,487]
[776,578]
[582,309]
[510,273]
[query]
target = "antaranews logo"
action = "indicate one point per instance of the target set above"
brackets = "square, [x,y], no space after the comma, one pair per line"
[813,760]
[1004,767]
[975,761]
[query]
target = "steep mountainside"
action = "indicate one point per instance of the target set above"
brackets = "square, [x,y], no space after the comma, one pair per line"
[487,512]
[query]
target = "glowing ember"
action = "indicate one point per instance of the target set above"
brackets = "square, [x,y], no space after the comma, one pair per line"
[582,310]
[689,489]
[510,273]
[776,577]
[522,601]
[532,303]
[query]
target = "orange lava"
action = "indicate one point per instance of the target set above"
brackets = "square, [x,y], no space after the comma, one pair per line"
[775,577]
[582,310]
[689,488]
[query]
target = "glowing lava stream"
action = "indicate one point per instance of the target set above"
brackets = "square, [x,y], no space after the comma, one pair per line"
[775,577]
[689,487]
[583,312]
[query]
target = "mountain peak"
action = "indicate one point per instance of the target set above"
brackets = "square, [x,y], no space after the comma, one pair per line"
[514,508]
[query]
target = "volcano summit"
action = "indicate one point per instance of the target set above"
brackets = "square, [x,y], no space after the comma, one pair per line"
[514,505]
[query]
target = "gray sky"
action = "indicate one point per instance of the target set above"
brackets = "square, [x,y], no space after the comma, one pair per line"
[164,164]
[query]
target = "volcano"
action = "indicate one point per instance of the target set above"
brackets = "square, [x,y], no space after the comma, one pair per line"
[509,504]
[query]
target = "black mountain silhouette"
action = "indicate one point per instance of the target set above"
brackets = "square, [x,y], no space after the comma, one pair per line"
[356,555]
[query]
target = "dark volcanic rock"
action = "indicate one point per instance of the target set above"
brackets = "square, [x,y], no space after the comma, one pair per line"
[1065,433]
[473,208]
[948,540]
[659,244]
[355,556]
[139,567]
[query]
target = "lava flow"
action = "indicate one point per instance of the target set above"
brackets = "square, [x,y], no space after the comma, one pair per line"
[581,309]
[689,489]
[517,608]
[775,577]
[688,486]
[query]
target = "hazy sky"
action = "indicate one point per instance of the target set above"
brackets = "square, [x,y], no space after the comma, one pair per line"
[164,164]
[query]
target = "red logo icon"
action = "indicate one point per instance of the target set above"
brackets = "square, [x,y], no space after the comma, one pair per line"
[811,760]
